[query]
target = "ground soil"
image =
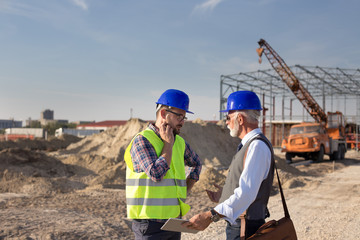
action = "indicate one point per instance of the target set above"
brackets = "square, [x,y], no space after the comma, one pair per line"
[78,192]
[324,203]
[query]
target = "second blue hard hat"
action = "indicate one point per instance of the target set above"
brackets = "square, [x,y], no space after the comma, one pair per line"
[175,98]
[243,100]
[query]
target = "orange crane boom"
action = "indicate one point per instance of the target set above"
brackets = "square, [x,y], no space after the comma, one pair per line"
[311,106]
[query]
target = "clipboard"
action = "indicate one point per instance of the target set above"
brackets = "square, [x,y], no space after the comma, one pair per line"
[174,225]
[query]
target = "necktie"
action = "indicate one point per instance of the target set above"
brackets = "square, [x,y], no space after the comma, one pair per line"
[239,147]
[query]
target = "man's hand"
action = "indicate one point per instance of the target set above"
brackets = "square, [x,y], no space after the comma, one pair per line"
[199,222]
[167,135]
[166,132]
[215,196]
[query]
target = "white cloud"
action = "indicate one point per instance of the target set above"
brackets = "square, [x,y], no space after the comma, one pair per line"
[81,3]
[208,5]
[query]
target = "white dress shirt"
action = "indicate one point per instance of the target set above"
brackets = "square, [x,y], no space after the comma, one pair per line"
[257,165]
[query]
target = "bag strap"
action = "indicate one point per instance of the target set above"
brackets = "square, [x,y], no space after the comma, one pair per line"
[243,215]
[286,211]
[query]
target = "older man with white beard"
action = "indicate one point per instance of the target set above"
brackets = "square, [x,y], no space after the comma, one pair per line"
[247,188]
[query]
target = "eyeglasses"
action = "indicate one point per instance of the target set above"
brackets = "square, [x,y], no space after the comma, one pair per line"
[228,117]
[180,117]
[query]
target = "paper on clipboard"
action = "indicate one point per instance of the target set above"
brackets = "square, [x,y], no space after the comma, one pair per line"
[174,225]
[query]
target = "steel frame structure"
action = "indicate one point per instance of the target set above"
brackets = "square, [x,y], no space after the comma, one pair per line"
[329,86]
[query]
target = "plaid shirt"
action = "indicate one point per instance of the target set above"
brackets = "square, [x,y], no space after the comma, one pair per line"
[144,158]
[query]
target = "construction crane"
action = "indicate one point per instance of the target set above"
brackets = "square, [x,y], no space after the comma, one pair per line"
[293,83]
[308,140]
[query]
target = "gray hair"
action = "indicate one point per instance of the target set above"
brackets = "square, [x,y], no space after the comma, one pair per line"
[252,116]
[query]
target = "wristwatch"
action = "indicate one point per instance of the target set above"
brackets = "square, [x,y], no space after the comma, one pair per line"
[214,216]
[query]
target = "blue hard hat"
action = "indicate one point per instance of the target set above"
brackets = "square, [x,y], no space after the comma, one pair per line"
[175,98]
[243,100]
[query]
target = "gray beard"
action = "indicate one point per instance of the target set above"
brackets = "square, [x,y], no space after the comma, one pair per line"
[235,131]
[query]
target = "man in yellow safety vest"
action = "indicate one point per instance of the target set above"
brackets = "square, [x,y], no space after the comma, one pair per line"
[156,182]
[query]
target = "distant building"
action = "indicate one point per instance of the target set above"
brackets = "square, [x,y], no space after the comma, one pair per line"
[82,122]
[47,116]
[10,123]
[62,121]
[31,122]
[101,125]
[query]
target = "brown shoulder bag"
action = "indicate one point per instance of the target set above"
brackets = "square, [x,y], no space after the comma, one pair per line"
[282,229]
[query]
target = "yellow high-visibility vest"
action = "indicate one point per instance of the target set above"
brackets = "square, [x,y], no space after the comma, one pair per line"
[146,199]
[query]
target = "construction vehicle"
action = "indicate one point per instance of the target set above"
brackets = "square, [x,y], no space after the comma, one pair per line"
[308,140]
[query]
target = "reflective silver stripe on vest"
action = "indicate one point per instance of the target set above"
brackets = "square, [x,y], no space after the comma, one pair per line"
[152,201]
[150,183]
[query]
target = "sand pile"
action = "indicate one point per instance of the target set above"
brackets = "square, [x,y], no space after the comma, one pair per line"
[290,177]
[103,153]
[110,143]
[209,177]
[90,177]
[97,161]
[98,171]
[78,192]
[211,142]
[25,171]
[99,158]
[52,144]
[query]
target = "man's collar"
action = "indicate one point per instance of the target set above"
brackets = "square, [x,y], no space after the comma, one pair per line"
[154,128]
[250,135]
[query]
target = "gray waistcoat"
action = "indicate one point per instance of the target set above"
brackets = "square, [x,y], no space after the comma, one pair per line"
[258,208]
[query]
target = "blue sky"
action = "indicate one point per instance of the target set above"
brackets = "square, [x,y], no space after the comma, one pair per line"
[97,59]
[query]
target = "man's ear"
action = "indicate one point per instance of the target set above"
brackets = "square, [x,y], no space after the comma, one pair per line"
[163,113]
[241,119]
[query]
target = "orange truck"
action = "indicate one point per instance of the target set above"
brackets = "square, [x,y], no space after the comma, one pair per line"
[308,140]
[314,140]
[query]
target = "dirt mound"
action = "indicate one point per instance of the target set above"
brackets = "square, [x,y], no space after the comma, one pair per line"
[52,144]
[103,153]
[97,170]
[209,177]
[93,161]
[211,142]
[26,171]
[97,160]
[110,143]
[290,177]
[90,175]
